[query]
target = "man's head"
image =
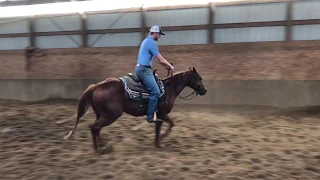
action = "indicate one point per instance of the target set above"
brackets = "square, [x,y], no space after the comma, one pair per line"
[156,32]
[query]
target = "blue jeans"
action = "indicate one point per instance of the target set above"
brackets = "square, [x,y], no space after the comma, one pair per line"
[146,76]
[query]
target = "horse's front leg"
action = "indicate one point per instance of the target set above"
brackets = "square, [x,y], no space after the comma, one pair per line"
[168,131]
[157,138]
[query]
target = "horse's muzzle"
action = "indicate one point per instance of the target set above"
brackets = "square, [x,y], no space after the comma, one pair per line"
[202,92]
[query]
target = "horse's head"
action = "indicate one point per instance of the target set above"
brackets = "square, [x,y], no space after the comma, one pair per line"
[195,81]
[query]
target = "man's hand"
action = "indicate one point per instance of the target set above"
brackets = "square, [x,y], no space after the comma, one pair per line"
[169,66]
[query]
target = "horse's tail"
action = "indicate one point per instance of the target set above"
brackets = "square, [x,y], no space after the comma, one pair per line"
[83,106]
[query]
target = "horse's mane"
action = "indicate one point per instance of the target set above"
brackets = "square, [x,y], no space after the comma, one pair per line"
[174,76]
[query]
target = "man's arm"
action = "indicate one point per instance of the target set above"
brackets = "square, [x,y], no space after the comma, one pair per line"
[163,61]
[158,58]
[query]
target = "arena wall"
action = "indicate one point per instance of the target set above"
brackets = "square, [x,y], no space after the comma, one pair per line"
[263,73]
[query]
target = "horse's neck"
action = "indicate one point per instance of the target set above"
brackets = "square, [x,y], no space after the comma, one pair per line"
[175,84]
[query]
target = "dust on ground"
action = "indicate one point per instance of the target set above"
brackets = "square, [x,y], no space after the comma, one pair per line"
[208,142]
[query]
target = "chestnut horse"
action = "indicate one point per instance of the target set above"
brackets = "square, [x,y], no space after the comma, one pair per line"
[112,97]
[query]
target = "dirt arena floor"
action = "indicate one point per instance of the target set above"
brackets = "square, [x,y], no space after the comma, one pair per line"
[208,142]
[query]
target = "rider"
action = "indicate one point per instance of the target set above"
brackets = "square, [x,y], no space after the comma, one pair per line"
[147,53]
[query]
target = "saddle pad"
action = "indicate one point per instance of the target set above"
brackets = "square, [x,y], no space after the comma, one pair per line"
[137,90]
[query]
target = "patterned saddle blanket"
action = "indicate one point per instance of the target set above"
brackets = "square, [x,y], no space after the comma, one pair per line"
[136,90]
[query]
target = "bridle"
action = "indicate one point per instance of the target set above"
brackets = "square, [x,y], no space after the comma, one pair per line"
[188,96]
[170,72]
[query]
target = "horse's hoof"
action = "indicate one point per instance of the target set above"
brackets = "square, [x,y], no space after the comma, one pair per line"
[107,149]
[158,146]
[101,145]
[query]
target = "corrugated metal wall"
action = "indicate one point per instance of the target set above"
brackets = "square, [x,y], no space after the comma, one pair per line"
[14,43]
[184,37]
[250,13]
[306,10]
[180,17]
[250,34]
[62,23]
[116,39]
[8,26]
[196,16]
[17,25]
[114,21]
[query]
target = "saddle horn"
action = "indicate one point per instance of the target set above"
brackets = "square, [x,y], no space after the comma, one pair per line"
[154,71]
[169,70]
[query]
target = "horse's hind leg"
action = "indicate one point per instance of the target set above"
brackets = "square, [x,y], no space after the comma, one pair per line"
[96,137]
[96,127]
[98,140]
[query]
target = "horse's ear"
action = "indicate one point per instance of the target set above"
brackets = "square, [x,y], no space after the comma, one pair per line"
[194,69]
[190,68]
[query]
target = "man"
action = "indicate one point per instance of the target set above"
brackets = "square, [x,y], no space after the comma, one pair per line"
[147,53]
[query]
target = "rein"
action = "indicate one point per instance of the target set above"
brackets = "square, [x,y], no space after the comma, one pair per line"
[183,98]
[187,96]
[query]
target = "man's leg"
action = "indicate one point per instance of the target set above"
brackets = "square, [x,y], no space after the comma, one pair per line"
[154,96]
[148,79]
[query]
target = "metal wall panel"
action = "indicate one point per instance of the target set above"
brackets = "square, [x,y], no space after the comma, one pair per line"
[184,37]
[14,43]
[67,23]
[114,21]
[58,41]
[178,17]
[252,34]
[306,10]
[250,13]
[9,26]
[115,40]
[306,32]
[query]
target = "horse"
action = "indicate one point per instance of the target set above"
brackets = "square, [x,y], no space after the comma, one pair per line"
[112,97]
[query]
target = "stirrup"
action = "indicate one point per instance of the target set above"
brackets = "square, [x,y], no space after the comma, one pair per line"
[154,121]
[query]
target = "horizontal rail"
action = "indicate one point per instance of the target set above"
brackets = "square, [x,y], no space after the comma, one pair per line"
[169,28]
